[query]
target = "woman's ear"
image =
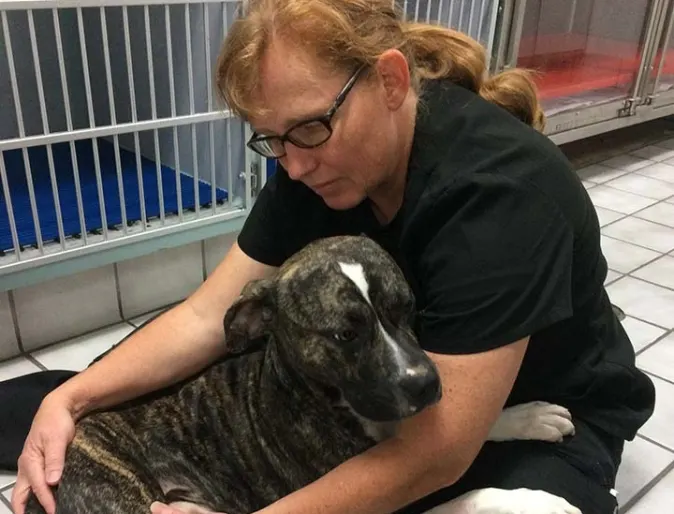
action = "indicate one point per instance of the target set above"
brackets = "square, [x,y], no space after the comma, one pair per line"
[251,316]
[394,76]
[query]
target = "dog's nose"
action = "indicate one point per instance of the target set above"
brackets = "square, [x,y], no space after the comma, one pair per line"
[421,389]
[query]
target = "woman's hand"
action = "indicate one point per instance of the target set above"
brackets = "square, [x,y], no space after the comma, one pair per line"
[41,462]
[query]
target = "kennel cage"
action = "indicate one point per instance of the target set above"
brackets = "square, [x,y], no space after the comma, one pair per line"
[112,143]
[604,64]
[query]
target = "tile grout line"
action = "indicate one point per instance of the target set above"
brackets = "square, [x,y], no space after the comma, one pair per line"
[651,176]
[656,443]
[118,289]
[655,203]
[649,140]
[654,342]
[637,245]
[670,382]
[204,272]
[622,155]
[621,216]
[5,500]
[615,279]
[624,509]
[32,359]
[648,281]
[654,325]
[640,267]
[15,319]
[83,334]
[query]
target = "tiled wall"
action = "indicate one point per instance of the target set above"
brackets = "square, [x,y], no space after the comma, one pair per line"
[66,307]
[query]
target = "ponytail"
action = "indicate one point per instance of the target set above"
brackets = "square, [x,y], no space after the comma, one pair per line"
[437,52]
[515,91]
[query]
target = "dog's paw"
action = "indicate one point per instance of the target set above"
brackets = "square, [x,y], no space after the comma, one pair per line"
[535,420]
[502,501]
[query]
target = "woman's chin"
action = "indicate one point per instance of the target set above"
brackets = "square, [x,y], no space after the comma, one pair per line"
[343,200]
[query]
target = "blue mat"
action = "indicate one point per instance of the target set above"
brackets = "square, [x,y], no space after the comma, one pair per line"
[63,164]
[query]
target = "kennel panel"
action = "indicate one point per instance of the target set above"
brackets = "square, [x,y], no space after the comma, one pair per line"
[476,18]
[115,187]
[111,125]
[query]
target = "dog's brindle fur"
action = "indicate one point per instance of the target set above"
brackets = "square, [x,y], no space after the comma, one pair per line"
[321,364]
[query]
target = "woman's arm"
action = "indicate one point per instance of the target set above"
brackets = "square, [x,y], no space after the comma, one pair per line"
[433,449]
[176,345]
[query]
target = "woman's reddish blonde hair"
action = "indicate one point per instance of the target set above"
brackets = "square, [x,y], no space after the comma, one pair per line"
[343,34]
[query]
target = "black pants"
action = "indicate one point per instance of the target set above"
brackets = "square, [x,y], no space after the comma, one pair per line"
[581,469]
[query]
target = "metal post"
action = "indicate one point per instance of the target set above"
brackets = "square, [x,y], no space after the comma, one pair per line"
[153,105]
[92,122]
[69,126]
[22,131]
[45,129]
[176,148]
[134,117]
[190,80]
[209,78]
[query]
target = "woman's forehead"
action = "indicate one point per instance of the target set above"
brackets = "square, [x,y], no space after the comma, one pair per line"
[293,87]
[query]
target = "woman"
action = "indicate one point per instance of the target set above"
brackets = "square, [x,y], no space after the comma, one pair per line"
[391,129]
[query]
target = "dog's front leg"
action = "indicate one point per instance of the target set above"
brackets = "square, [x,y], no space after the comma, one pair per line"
[539,421]
[502,501]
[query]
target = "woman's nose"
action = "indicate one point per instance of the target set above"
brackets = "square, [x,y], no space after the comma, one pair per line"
[298,162]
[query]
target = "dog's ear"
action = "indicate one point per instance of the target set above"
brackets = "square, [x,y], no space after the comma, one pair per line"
[250,316]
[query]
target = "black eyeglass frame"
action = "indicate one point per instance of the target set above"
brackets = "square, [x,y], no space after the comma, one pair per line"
[325,120]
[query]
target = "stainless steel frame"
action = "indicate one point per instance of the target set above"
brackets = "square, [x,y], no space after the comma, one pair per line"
[651,84]
[643,103]
[510,34]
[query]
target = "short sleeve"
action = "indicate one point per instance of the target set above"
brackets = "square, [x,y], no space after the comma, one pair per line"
[496,269]
[285,217]
[261,237]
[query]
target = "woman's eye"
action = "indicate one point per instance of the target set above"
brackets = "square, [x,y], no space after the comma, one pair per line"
[346,336]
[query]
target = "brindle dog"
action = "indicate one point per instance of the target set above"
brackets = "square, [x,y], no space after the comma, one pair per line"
[322,364]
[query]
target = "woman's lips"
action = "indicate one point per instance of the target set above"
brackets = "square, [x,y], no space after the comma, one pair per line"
[323,185]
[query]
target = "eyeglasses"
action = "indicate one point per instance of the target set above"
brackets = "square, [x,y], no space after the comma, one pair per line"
[308,133]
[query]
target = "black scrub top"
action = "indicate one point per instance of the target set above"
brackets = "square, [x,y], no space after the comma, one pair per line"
[499,240]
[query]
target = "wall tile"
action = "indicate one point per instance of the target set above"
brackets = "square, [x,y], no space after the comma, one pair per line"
[158,279]
[216,248]
[65,307]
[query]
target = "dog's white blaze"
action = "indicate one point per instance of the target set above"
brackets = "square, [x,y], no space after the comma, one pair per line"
[357,275]
[402,364]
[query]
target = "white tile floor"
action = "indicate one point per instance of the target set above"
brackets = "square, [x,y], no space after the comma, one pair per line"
[634,196]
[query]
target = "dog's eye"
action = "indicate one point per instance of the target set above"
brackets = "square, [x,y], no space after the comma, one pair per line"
[346,336]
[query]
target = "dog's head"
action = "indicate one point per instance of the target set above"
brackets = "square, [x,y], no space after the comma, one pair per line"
[341,311]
